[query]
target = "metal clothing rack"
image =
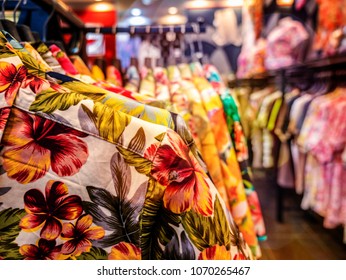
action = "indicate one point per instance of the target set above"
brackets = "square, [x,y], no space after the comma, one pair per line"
[150,29]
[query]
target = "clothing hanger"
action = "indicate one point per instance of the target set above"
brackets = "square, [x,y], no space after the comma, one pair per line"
[171,61]
[182,58]
[193,55]
[45,26]
[197,31]
[133,59]
[147,60]
[24,31]
[9,25]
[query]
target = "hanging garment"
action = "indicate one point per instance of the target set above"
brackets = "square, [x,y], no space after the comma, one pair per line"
[293,129]
[240,144]
[162,84]
[62,211]
[48,57]
[287,44]
[113,76]
[286,176]
[197,119]
[331,16]
[132,78]
[266,111]
[80,65]
[63,60]
[324,192]
[227,31]
[230,167]
[147,83]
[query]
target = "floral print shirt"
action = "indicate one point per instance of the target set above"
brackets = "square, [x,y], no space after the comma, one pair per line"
[153,200]
[188,101]
[240,144]
[325,192]
[232,174]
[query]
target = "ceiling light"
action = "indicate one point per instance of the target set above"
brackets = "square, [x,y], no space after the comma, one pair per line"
[172,20]
[172,10]
[205,4]
[284,2]
[101,7]
[138,20]
[147,2]
[136,12]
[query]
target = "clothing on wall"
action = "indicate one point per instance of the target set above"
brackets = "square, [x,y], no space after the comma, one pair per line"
[306,132]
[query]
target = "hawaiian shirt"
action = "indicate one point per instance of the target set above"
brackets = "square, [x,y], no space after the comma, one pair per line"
[240,144]
[232,173]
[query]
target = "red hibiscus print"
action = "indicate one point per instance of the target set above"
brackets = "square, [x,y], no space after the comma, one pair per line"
[11,79]
[46,212]
[79,235]
[175,167]
[36,84]
[4,113]
[34,144]
[44,250]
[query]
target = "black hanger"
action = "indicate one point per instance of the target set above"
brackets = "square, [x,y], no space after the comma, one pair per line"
[25,33]
[8,25]
[11,28]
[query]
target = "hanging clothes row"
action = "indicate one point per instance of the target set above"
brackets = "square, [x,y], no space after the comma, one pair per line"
[193,91]
[302,136]
[90,174]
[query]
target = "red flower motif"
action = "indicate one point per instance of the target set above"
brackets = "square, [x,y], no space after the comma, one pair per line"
[11,79]
[216,252]
[47,211]
[176,168]
[45,250]
[36,84]
[35,144]
[79,235]
[4,113]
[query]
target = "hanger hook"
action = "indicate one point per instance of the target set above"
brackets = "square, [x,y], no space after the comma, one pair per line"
[114,29]
[15,11]
[47,21]
[132,30]
[197,31]
[192,47]
[3,9]
[183,29]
